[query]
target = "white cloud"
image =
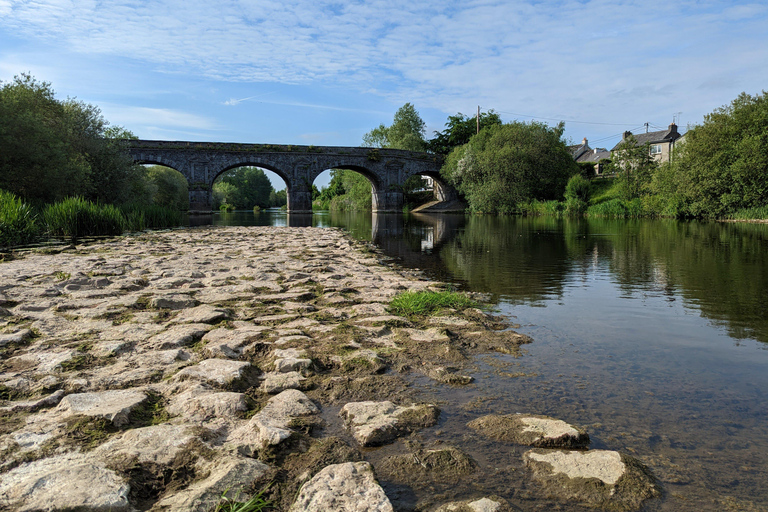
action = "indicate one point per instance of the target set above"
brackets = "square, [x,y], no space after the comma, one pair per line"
[155,118]
[600,60]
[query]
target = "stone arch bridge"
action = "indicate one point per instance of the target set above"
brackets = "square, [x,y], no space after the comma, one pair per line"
[202,162]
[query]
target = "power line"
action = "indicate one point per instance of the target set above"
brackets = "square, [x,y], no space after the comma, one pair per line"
[565,120]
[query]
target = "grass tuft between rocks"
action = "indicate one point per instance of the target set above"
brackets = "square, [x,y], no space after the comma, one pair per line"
[426,302]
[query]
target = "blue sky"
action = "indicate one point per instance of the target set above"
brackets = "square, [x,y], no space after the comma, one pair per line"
[326,72]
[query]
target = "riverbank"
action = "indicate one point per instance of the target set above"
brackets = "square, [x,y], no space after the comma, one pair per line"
[167,368]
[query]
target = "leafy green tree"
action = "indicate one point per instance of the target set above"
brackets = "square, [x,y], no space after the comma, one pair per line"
[55,149]
[169,187]
[406,132]
[634,168]
[278,199]
[459,129]
[225,193]
[252,185]
[37,162]
[723,164]
[506,165]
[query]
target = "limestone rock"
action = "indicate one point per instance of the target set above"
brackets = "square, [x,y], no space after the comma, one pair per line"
[116,406]
[377,423]
[347,487]
[199,403]
[275,382]
[16,337]
[172,301]
[220,372]
[33,405]
[203,314]
[431,335]
[291,360]
[64,482]
[481,505]
[178,336]
[272,424]
[597,478]
[448,376]
[531,430]
[157,444]
[228,474]
[230,343]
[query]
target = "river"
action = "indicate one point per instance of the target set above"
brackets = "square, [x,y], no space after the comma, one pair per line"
[652,334]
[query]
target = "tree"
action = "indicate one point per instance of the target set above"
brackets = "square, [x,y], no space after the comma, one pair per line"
[252,187]
[55,149]
[459,129]
[723,164]
[634,167]
[36,162]
[406,132]
[170,188]
[506,165]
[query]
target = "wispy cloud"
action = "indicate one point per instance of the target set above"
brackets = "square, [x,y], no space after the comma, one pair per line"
[598,60]
[155,117]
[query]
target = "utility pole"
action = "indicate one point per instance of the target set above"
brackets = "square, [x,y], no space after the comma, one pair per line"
[478,119]
[646,127]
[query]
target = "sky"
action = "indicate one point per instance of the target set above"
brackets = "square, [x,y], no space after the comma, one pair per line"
[326,72]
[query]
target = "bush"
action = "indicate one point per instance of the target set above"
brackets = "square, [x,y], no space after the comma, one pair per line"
[18,223]
[578,187]
[76,217]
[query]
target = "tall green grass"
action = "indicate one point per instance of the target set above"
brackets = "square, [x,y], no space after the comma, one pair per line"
[618,208]
[18,222]
[425,302]
[754,213]
[76,217]
[139,217]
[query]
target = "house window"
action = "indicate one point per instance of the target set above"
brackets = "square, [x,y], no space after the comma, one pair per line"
[655,149]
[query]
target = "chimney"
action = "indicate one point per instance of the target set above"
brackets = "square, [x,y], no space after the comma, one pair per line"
[673,129]
[626,135]
[584,142]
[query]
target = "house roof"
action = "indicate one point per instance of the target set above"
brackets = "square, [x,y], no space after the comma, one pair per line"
[579,149]
[595,155]
[669,135]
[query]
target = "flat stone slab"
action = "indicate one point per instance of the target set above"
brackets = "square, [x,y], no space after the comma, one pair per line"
[203,314]
[227,475]
[347,487]
[271,425]
[431,335]
[200,403]
[64,482]
[597,478]
[377,423]
[220,372]
[481,505]
[157,444]
[531,430]
[33,405]
[291,360]
[172,301]
[178,336]
[230,343]
[16,337]
[276,382]
[116,406]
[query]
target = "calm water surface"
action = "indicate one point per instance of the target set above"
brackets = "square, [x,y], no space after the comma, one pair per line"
[652,334]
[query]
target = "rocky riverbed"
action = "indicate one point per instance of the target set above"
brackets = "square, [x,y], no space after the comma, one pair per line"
[160,371]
